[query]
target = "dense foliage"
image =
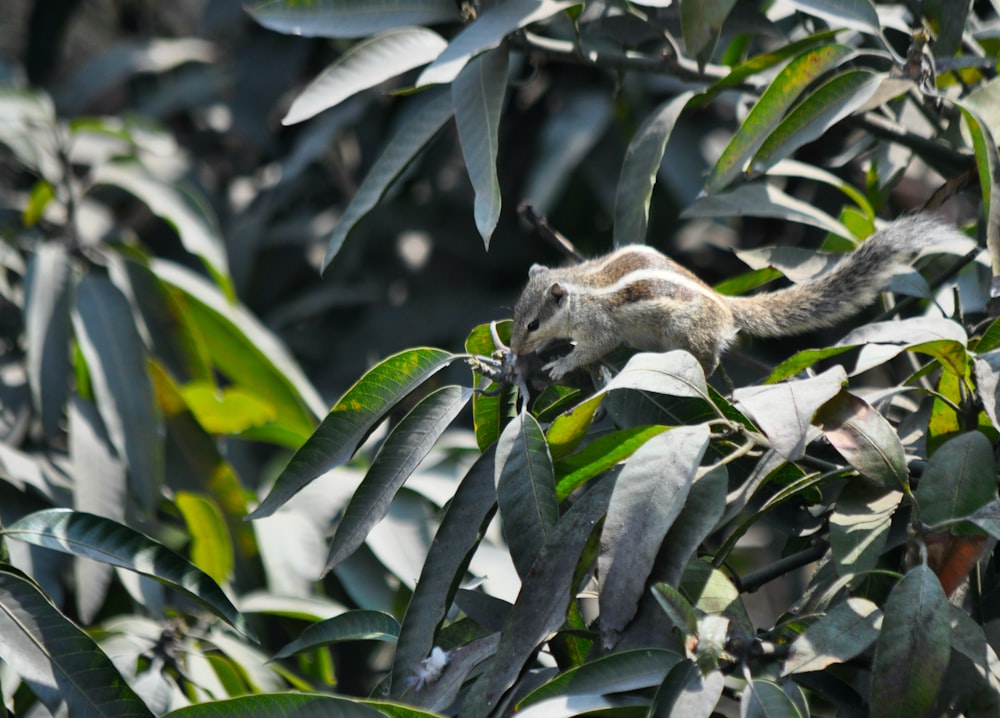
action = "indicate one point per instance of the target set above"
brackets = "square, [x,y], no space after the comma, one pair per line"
[216,218]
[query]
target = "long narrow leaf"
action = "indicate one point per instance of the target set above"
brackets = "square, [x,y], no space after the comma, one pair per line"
[352,419]
[360,625]
[414,130]
[526,490]
[477,94]
[116,359]
[642,162]
[349,18]
[47,332]
[403,450]
[82,534]
[65,669]
[365,65]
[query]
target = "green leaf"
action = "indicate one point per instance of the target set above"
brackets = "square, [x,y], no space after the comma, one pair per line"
[365,65]
[615,673]
[42,193]
[913,648]
[855,14]
[182,210]
[487,31]
[600,455]
[231,410]
[769,110]
[846,631]
[987,517]
[649,495]
[765,699]
[464,523]
[82,534]
[686,692]
[803,360]
[540,608]
[286,705]
[351,420]
[525,490]
[489,411]
[211,545]
[988,165]
[680,612]
[247,353]
[477,94]
[639,169]
[865,438]
[570,428]
[116,360]
[761,199]
[827,105]
[423,118]
[701,22]
[959,479]
[360,625]
[785,411]
[400,454]
[48,293]
[859,526]
[61,664]
[349,18]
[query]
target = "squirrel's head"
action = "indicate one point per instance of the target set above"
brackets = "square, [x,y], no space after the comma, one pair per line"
[538,311]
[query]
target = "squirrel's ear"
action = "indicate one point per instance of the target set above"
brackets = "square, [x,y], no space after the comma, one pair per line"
[556,292]
[537,269]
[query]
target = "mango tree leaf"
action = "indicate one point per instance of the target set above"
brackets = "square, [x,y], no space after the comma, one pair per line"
[99,487]
[365,65]
[489,411]
[958,480]
[859,526]
[400,454]
[211,544]
[649,495]
[526,491]
[765,699]
[846,631]
[286,705]
[988,165]
[247,353]
[191,219]
[760,199]
[351,419]
[570,428]
[349,18]
[47,333]
[462,527]
[541,604]
[82,534]
[615,673]
[865,438]
[486,32]
[702,511]
[701,21]
[785,411]
[827,105]
[987,517]
[477,94]
[600,455]
[359,625]
[768,111]
[686,692]
[913,647]
[639,170]
[116,360]
[424,117]
[855,14]
[61,664]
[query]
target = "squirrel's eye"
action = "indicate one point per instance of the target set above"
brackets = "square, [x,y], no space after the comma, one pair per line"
[533,325]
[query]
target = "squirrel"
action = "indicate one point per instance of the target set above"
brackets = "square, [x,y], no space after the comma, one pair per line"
[639,297]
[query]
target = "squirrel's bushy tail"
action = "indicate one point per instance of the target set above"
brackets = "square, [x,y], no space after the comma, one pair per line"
[847,288]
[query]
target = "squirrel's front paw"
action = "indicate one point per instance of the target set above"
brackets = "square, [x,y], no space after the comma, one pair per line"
[559,368]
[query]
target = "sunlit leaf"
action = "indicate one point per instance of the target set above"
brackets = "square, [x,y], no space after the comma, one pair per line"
[865,438]
[81,534]
[400,454]
[63,666]
[287,705]
[351,419]
[211,545]
[349,18]
[360,625]
[765,699]
[859,526]
[845,632]
[686,692]
[855,14]
[365,65]
[116,360]
[477,94]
